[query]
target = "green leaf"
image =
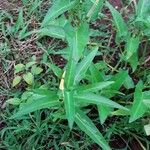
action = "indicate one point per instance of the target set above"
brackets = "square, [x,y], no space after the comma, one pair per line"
[16,81]
[51,31]
[146,98]
[131,46]
[81,39]
[58,8]
[77,39]
[118,21]
[19,23]
[142,8]
[19,68]
[92,8]
[121,112]
[95,74]
[30,64]
[36,70]
[103,112]
[147,129]
[118,79]
[84,65]
[56,70]
[13,101]
[134,61]
[69,107]
[72,61]
[29,78]
[91,98]
[138,108]
[86,125]
[129,84]
[40,99]
[94,87]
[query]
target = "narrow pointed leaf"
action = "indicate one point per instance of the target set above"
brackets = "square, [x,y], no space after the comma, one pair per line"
[138,108]
[131,46]
[103,112]
[118,21]
[81,38]
[142,8]
[91,98]
[69,107]
[146,98]
[118,79]
[84,65]
[58,8]
[40,99]
[94,87]
[86,125]
[51,31]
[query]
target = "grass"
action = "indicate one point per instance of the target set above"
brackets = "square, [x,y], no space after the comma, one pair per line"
[74,75]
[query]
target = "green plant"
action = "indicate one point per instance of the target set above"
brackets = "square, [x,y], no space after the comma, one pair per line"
[83,82]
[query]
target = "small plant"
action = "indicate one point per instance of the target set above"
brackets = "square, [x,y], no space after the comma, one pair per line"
[28,72]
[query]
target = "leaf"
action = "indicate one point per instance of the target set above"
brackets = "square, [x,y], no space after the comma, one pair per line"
[91,98]
[19,23]
[121,112]
[58,8]
[103,112]
[30,64]
[40,99]
[51,31]
[147,129]
[129,84]
[134,61]
[94,87]
[29,78]
[69,107]
[36,70]
[92,8]
[118,21]
[19,68]
[16,81]
[77,39]
[13,101]
[95,74]
[56,70]
[146,98]
[84,65]
[86,125]
[72,61]
[118,79]
[131,46]
[81,39]
[142,8]
[138,108]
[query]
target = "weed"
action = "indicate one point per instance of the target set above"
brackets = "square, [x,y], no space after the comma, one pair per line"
[92,69]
